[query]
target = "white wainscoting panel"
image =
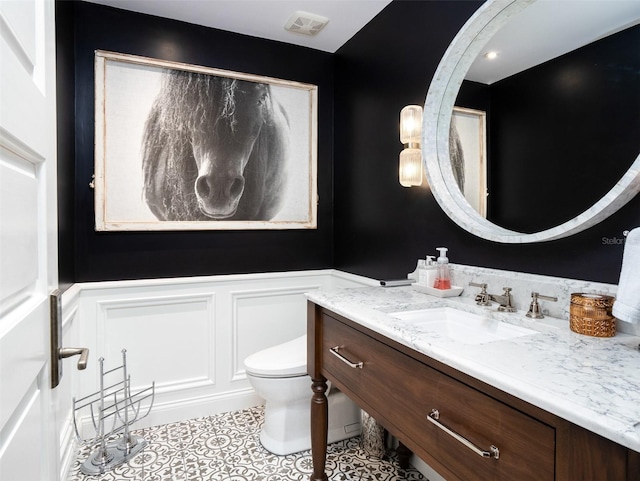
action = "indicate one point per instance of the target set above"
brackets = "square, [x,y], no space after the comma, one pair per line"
[190,335]
[169,340]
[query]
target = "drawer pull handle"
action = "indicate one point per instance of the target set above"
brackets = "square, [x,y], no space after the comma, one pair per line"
[334,351]
[493,452]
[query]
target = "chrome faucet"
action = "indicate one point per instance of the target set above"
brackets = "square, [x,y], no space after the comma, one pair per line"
[505,300]
[483,298]
[535,312]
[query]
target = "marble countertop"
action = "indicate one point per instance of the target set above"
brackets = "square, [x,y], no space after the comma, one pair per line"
[592,382]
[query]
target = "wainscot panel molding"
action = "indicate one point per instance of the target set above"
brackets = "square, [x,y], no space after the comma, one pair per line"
[189,335]
[181,330]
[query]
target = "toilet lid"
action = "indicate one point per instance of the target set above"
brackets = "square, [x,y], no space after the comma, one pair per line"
[284,360]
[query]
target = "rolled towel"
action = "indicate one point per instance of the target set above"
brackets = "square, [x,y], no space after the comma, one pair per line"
[627,304]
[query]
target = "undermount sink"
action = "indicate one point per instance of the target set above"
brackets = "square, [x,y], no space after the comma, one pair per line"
[461,326]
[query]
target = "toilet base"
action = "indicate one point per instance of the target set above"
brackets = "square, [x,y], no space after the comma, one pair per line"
[295,421]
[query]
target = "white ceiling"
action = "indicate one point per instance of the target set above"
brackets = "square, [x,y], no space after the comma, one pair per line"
[265,18]
[550,28]
[545,30]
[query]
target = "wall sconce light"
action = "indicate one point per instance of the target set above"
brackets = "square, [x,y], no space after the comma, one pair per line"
[410,168]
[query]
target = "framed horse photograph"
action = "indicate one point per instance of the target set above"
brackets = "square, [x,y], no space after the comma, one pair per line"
[186,147]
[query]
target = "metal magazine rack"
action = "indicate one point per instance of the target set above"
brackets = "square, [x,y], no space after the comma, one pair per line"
[113,409]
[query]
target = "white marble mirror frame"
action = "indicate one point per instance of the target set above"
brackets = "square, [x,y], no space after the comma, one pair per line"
[438,108]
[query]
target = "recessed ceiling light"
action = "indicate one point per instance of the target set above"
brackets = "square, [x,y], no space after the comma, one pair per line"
[306,23]
[491,55]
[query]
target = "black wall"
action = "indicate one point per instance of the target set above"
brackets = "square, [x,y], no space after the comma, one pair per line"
[368,223]
[564,142]
[65,120]
[381,228]
[537,123]
[118,255]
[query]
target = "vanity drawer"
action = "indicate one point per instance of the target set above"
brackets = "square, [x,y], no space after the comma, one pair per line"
[387,381]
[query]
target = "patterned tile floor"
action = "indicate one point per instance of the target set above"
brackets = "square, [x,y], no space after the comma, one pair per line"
[226,447]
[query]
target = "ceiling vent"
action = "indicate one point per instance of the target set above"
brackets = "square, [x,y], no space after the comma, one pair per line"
[306,23]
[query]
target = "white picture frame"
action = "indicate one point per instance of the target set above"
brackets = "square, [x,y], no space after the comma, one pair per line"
[131,190]
[470,126]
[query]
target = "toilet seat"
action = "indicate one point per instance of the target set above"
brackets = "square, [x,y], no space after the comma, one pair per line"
[279,376]
[284,360]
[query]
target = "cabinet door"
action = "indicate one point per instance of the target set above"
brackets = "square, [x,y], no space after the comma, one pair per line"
[404,391]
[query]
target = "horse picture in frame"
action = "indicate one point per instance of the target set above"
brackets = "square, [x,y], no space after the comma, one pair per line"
[183,147]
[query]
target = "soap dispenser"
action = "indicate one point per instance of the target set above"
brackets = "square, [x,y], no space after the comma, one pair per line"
[443,278]
[426,271]
[422,272]
[430,271]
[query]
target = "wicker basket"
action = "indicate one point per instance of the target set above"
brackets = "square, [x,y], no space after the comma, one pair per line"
[590,314]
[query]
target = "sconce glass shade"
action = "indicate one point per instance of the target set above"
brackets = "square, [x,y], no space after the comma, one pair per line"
[410,170]
[411,124]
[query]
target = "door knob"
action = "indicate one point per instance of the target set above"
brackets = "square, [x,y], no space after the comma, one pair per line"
[83,352]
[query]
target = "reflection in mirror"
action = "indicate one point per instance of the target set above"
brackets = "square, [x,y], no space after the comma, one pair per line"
[561,138]
[468,152]
[542,172]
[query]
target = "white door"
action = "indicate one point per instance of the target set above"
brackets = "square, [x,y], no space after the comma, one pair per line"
[28,239]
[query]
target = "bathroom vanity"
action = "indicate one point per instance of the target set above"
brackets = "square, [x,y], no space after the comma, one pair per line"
[476,393]
[480,394]
[538,402]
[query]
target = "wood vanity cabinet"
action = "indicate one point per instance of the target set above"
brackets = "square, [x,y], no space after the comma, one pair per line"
[480,433]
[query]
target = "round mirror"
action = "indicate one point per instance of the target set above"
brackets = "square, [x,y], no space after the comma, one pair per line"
[440,139]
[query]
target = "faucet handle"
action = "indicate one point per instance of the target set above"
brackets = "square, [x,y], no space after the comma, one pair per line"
[507,306]
[534,309]
[482,298]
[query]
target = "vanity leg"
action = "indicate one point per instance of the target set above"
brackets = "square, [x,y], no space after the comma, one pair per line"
[319,427]
[404,454]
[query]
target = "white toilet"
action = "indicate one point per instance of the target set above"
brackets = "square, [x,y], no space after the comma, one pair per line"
[279,375]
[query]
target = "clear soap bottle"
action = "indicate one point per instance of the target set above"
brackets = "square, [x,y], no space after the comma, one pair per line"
[443,277]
